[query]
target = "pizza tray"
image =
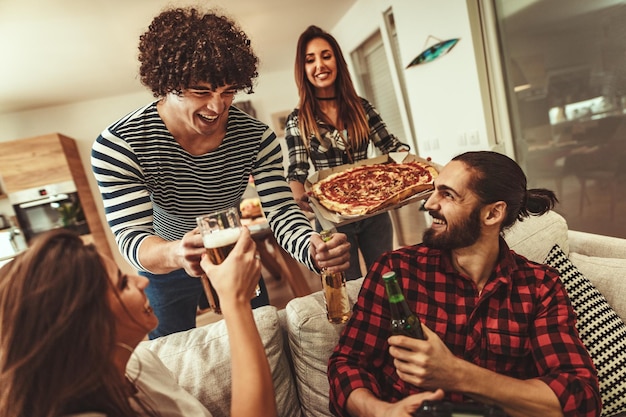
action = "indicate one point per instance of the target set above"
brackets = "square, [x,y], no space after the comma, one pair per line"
[339,219]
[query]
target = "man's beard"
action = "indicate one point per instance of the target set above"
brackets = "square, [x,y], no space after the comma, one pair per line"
[456,236]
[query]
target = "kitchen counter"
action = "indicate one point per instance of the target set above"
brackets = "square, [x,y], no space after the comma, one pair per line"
[11,243]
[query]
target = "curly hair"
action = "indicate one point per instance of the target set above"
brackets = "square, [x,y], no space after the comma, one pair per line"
[184,46]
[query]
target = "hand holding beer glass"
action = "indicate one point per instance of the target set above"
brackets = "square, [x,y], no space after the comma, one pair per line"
[220,231]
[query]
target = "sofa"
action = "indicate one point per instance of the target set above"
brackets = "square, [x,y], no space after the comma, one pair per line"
[298,339]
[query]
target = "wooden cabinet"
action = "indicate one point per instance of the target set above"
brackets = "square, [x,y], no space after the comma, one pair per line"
[33,162]
[50,159]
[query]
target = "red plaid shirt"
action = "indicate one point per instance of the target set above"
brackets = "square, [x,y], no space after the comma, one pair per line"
[522,325]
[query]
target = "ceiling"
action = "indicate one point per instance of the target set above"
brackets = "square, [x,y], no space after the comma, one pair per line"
[55,52]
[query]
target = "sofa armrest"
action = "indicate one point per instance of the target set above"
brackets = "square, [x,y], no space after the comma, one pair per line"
[602,259]
[312,340]
[590,244]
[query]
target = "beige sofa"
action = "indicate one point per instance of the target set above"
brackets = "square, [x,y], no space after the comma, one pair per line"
[299,339]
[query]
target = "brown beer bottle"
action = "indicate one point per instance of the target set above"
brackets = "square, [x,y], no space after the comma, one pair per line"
[403,320]
[335,293]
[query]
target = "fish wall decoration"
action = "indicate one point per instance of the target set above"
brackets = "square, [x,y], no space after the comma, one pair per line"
[435,51]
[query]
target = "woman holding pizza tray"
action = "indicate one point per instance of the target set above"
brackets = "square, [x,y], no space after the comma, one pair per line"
[333,126]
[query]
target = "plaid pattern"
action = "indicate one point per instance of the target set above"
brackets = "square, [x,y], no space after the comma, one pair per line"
[331,150]
[522,326]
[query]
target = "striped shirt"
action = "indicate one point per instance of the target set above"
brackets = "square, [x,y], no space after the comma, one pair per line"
[151,186]
[331,151]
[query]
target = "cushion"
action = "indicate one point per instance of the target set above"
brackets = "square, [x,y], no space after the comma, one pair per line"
[608,275]
[158,389]
[601,330]
[534,237]
[200,360]
[312,339]
[592,244]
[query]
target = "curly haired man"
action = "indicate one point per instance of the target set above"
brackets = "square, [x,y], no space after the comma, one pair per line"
[191,152]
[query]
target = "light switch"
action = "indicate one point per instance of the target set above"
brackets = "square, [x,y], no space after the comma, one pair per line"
[473,137]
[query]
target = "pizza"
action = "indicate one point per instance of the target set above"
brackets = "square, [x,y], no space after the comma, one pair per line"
[368,188]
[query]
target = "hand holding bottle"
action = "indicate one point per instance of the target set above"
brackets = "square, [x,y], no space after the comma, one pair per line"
[428,364]
[335,292]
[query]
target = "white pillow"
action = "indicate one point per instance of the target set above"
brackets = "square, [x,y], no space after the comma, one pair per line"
[601,330]
[200,360]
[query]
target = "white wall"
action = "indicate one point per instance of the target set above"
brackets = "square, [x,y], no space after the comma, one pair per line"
[275,92]
[445,94]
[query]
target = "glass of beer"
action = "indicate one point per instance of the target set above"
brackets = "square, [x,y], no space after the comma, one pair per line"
[220,231]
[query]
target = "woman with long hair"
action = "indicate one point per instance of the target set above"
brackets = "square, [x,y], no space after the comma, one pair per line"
[70,321]
[334,126]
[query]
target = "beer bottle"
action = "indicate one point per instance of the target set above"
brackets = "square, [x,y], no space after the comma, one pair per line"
[335,293]
[403,320]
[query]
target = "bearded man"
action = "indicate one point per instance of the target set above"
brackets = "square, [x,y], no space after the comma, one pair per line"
[500,329]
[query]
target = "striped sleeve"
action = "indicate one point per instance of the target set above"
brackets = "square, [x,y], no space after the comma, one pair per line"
[290,226]
[127,204]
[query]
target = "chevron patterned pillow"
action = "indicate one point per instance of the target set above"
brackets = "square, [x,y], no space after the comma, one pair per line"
[600,329]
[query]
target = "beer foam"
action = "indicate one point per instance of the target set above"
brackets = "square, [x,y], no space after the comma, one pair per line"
[220,238]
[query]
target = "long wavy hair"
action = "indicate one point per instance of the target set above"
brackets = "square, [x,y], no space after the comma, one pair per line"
[184,46]
[57,332]
[496,177]
[350,110]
